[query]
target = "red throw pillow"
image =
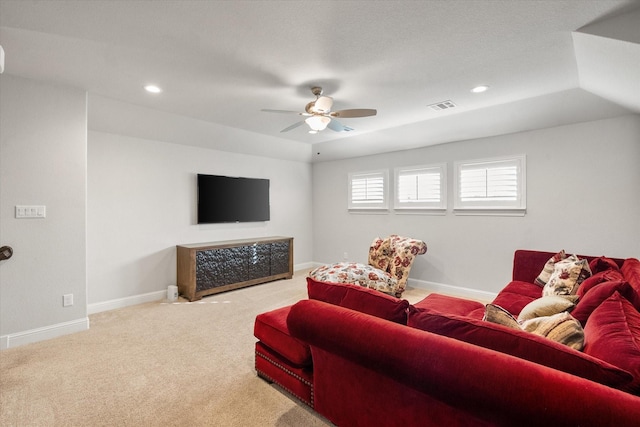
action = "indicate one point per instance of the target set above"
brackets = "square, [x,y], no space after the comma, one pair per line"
[601,264]
[631,271]
[359,298]
[592,299]
[596,279]
[521,344]
[612,334]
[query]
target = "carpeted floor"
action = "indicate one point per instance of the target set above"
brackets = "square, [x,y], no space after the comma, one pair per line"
[157,364]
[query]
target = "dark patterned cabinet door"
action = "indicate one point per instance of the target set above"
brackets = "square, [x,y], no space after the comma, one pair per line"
[280,257]
[209,268]
[220,267]
[258,260]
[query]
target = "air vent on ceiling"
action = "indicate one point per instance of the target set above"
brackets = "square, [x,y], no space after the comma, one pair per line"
[443,105]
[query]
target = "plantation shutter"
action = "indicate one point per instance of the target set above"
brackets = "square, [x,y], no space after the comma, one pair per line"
[492,184]
[367,190]
[421,187]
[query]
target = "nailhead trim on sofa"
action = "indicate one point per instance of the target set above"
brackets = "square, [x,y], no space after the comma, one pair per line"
[287,371]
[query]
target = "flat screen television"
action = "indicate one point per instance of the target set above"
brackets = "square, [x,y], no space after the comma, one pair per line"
[232,199]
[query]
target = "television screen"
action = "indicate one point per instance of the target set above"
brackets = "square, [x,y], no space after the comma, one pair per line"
[232,199]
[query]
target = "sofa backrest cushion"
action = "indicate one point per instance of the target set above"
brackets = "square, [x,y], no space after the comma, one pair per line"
[528,264]
[358,298]
[613,335]
[517,295]
[521,344]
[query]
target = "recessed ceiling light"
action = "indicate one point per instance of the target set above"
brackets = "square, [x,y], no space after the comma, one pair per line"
[152,89]
[479,89]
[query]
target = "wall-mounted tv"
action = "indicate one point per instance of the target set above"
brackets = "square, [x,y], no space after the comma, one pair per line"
[232,199]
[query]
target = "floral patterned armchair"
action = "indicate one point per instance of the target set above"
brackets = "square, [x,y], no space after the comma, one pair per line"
[390,260]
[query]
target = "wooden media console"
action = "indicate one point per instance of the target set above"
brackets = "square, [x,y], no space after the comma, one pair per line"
[209,268]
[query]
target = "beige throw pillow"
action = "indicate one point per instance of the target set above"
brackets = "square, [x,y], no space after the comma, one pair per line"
[561,327]
[496,314]
[547,306]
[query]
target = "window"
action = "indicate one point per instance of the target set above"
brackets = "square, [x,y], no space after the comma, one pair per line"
[421,187]
[368,190]
[488,185]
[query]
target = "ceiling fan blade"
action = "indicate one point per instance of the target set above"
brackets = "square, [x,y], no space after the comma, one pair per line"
[338,127]
[293,126]
[267,110]
[356,112]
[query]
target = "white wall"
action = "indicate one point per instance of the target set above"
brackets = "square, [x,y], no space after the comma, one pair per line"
[43,131]
[582,195]
[142,203]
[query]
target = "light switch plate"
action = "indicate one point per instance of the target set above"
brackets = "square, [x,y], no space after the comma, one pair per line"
[31,211]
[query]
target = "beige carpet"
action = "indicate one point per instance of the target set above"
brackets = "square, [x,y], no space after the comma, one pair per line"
[157,364]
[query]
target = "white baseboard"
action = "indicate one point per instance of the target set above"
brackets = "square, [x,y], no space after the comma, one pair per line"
[457,291]
[113,304]
[45,333]
[304,266]
[126,302]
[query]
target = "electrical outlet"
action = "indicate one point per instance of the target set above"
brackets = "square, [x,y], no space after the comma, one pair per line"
[345,256]
[67,300]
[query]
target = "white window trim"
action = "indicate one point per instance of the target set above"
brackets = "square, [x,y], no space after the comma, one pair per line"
[421,207]
[382,205]
[492,207]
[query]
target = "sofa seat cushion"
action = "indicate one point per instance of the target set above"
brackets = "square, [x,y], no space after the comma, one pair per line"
[451,305]
[360,299]
[521,344]
[271,329]
[613,334]
[516,295]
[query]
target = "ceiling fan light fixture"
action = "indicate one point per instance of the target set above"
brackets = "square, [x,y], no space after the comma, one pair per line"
[318,123]
[323,104]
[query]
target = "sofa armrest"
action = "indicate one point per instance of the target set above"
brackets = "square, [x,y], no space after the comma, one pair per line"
[498,388]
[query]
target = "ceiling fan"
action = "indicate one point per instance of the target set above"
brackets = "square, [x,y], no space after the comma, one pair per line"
[320,116]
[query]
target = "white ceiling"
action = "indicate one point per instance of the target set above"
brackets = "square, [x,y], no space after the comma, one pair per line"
[547,63]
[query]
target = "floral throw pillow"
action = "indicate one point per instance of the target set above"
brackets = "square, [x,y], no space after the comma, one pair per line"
[546,272]
[358,274]
[567,276]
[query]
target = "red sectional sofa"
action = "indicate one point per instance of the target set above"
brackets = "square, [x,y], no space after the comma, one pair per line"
[361,358]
